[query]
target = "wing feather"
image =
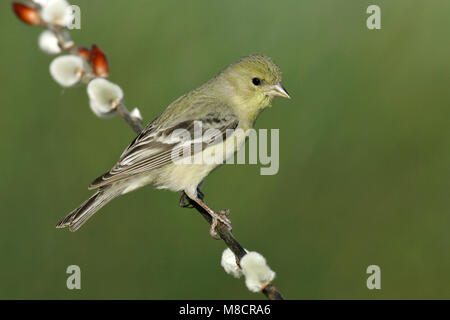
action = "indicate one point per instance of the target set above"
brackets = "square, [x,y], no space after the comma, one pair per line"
[157,143]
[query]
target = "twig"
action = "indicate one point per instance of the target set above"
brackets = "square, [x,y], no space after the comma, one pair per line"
[134,123]
[271,292]
[224,233]
[66,44]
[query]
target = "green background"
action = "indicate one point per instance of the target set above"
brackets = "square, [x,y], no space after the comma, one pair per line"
[364,153]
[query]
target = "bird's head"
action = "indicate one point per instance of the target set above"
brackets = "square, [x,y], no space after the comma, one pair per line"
[253,81]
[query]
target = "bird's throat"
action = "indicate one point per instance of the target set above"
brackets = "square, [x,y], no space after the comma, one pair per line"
[248,110]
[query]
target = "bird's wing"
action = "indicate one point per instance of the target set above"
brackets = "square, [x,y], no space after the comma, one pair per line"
[157,144]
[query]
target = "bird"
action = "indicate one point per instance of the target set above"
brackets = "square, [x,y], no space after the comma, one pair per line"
[229,102]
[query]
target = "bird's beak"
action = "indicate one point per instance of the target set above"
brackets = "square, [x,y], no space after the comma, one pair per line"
[279,91]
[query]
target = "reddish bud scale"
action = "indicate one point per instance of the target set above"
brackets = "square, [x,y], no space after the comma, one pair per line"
[84,52]
[99,62]
[27,14]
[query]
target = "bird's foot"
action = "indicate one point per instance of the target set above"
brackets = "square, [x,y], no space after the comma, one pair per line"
[186,202]
[221,216]
[216,217]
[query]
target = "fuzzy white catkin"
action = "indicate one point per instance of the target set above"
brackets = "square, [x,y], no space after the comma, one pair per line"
[48,42]
[67,70]
[57,12]
[228,262]
[256,271]
[103,96]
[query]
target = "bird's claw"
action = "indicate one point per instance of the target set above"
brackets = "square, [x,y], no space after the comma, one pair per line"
[221,216]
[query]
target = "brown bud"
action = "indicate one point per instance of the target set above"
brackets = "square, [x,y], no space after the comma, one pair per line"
[99,62]
[84,52]
[27,14]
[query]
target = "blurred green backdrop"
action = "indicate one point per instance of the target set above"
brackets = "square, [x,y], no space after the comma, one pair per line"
[364,153]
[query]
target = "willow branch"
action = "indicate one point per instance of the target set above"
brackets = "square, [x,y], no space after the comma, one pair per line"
[134,123]
[66,44]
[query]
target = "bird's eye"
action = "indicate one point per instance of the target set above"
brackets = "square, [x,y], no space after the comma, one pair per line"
[256,81]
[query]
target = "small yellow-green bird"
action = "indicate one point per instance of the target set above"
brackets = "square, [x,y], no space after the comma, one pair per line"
[231,100]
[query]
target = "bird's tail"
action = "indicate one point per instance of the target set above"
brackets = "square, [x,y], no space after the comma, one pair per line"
[80,215]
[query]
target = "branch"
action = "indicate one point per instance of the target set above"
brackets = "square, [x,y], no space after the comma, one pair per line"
[134,123]
[98,67]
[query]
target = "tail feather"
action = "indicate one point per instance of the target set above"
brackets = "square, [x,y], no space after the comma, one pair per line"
[80,215]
